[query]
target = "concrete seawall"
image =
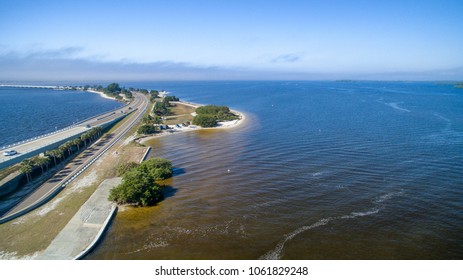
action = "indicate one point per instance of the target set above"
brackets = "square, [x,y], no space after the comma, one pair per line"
[10,183]
[86,228]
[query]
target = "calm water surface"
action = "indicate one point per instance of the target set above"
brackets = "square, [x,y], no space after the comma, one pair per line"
[26,112]
[319,170]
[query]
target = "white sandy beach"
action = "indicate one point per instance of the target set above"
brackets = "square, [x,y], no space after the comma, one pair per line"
[220,125]
[102,94]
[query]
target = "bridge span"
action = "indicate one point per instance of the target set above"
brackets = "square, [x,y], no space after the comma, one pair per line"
[31,147]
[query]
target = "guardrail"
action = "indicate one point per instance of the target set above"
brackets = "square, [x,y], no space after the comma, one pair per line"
[61,185]
[9,146]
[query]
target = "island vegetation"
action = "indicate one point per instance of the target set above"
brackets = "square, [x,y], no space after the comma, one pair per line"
[210,115]
[140,183]
[160,110]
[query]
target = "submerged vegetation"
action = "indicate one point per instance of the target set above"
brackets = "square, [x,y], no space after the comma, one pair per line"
[139,182]
[208,116]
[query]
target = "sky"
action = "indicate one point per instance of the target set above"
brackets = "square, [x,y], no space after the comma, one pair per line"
[230,40]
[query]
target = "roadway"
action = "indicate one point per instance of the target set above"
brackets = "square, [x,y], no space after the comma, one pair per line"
[76,166]
[36,145]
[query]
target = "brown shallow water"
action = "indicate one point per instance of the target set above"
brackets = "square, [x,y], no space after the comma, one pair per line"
[356,175]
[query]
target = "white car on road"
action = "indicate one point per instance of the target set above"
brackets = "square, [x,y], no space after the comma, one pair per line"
[9,153]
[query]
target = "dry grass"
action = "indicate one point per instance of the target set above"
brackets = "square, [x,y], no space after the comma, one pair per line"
[180,114]
[9,170]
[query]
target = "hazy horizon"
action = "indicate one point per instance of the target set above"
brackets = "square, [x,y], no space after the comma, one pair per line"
[239,40]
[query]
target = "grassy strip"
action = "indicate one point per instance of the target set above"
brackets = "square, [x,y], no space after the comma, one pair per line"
[180,114]
[32,232]
[8,170]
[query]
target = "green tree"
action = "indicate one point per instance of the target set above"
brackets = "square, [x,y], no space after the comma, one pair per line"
[160,109]
[157,120]
[158,168]
[148,119]
[61,152]
[84,137]
[139,184]
[66,147]
[124,167]
[205,120]
[146,129]
[128,94]
[220,113]
[112,89]
[171,98]
[137,187]
[41,162]
[77,142]
[26,168]
[52,153]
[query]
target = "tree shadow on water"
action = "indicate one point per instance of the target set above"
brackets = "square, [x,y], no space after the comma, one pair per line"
[168,191]
[178,171]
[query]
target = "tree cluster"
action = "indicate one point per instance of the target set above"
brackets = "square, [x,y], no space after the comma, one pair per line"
[66,149]
[208,116]
[161,108]
[171,98]
[153,95]
[125,167]
[112,89]
[147,129]
[28,165]
[139,184]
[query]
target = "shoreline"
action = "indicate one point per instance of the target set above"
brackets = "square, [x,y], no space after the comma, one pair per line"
[102,95]
[220,125]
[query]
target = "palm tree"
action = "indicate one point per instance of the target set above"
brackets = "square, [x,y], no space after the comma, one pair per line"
[45,161]
[26,168]
[77,143]
[65,147]
[53,154]
[42,161]
[84,137]
[97,131]
[60,152]
[35,161]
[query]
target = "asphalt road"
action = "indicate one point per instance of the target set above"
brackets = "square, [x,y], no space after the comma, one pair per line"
[53,185]
[43,141]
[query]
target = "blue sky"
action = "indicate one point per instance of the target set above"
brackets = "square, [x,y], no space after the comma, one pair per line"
[288,39]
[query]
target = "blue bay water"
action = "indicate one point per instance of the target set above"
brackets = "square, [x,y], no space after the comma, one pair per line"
[319,170]
[26,112]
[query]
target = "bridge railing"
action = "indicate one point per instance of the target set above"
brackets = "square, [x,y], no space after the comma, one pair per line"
[7,147]
[55,141]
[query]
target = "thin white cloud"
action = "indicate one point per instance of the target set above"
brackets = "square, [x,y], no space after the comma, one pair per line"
[286,58]
[70,64]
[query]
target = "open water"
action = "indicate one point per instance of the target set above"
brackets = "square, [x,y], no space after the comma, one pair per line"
[29,112]
[319,170]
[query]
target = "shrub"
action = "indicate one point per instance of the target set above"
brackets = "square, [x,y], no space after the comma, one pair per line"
[205,120]
[139,183]
[146,129]
[124,167]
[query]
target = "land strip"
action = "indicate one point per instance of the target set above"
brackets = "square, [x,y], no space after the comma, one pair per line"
[73,169]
